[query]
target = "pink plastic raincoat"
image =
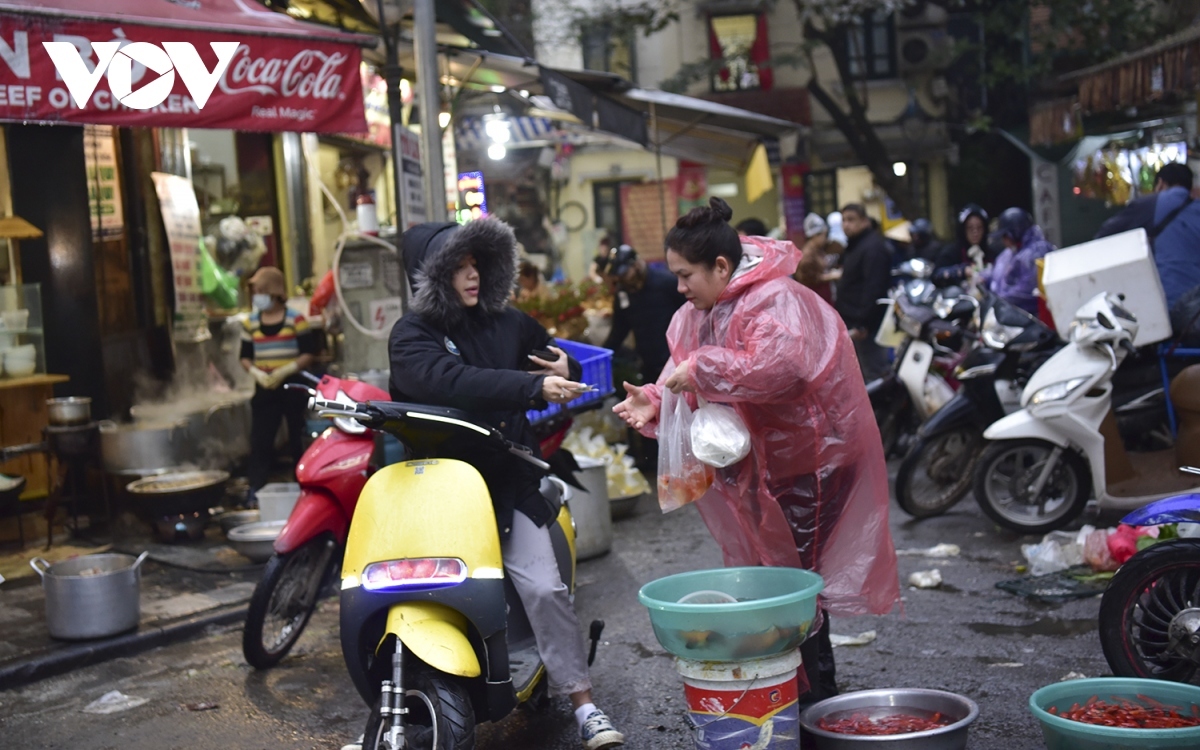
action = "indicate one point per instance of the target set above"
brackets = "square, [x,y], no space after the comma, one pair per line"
[813,493]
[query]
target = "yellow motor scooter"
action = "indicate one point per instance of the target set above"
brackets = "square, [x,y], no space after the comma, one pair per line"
[433,633]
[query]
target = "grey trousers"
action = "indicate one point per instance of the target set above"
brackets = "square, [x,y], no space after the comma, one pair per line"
[529,562]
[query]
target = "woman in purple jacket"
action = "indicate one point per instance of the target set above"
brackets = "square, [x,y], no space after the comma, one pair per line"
[1014,276]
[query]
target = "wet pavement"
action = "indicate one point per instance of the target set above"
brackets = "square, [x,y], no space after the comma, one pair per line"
[967,637]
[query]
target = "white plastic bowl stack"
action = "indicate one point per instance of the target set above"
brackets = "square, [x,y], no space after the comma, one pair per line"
[20,361]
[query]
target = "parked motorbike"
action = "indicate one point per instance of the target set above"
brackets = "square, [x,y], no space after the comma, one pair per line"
[331,474]
[1150,613]
[1045,460]
[936,472]
[433,633]
[923,325]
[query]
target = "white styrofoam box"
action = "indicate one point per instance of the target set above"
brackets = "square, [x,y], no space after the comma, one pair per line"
[1120,264]
[276,500]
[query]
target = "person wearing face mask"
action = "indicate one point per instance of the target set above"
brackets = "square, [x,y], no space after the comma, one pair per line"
[277,343]
[462,345]
[813,491]
[968,257]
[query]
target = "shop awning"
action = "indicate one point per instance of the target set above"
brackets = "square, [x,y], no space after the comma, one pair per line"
[283,75]
[1168,67]
[689,128]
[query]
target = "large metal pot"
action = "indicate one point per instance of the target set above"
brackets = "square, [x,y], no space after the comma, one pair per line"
[73,410]
[141,449]
[93,596]
[185,492]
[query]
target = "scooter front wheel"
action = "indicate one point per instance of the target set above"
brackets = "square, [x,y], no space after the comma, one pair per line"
[284,600]
[1009,469]
[936,473]
[1149,611]
[440,717]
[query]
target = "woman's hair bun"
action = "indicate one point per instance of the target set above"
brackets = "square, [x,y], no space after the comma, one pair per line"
[716,212]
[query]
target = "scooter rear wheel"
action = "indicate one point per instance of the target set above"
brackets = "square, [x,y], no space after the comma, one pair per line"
[452,714]
[1153,589]
[284,600]
[936,473]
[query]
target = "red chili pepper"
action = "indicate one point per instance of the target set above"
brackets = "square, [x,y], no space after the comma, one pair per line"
[894,724]
[1126,713]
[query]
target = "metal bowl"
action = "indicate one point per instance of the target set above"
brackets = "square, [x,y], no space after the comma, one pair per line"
[621,507]
[69,411]
[887,701]
[256,540]
[233,519]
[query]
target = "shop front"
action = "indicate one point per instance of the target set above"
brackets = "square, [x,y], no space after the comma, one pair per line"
[154,147]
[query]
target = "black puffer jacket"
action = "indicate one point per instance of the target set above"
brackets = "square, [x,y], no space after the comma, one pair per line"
[471,358]
[866,277]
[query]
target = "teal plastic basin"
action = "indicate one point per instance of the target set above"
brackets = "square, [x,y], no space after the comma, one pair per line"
[1064,734]
[773,612]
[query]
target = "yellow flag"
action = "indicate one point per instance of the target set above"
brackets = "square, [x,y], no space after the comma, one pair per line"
[758,174]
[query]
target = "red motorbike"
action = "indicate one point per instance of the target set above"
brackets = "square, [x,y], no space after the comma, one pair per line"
[331,474]
[308,550]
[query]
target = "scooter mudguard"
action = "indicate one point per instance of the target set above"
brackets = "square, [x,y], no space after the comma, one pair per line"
[315,513]
[436,634]
[1178,509]
[1021,425]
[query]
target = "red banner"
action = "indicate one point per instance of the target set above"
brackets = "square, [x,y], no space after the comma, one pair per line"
[163,77]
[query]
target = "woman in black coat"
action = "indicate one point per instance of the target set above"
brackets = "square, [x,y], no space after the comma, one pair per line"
[464,346]
[968,253]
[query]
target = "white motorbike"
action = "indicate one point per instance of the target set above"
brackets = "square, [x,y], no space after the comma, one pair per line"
[1063,447]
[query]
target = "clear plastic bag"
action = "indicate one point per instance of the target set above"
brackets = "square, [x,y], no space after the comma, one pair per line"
[719,436]
[682,478]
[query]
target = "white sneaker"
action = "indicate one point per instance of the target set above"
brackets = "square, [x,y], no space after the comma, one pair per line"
[599,733]
[356,745]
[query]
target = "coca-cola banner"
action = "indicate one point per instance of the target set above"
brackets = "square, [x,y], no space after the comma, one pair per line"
[133,75]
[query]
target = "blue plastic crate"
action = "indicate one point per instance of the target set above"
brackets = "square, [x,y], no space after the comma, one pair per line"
[597,372]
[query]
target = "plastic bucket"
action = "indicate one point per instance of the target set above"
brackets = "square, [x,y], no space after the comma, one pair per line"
[735,705]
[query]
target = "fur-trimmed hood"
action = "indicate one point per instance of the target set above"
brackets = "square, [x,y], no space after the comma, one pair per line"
[432,254]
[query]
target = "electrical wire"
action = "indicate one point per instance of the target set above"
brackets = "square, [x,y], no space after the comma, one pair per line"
[348,232]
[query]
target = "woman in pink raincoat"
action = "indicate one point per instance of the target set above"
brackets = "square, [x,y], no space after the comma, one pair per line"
[813,492]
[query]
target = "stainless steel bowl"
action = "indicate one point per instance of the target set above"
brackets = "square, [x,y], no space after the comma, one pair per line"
[256,540]
[235,518]
[878,703]
[620,507]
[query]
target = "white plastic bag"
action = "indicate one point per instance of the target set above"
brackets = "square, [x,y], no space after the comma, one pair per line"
[682,479]
[719,436]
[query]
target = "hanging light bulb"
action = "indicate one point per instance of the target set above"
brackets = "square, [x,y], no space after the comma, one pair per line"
[497,151]
[900,169]
[443,119]
[497,129]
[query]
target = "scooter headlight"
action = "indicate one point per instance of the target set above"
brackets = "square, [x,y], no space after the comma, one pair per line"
[996,334]
[424,573]
[1056,391]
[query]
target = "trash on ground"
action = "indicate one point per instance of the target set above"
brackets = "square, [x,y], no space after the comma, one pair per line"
[204,706]
[861,639]
[113,702]
[1072,676]
[938,550]
[926,579]
[1079,582]
[1057,551]
[1007,664]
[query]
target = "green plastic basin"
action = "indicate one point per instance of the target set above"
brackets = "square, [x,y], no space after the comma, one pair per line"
[1064,734]
[772,612]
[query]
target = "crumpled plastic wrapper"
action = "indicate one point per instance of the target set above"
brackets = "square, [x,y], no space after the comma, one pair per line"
[624,479]
[926,579]
[113,702]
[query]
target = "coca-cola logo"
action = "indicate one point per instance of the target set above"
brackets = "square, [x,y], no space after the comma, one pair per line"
[309,73]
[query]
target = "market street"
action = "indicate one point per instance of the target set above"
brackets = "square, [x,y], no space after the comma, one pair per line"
[967,636]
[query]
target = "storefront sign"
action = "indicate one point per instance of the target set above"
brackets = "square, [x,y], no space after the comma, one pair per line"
[472,197]
[1045,200]
[175,77]
[104,184]
[412,191]
[181,219]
